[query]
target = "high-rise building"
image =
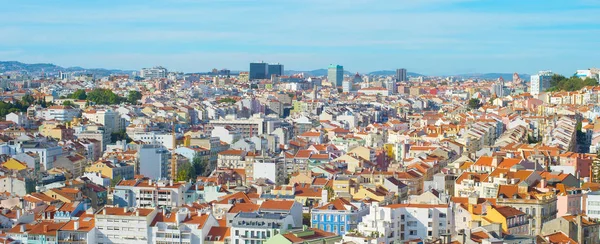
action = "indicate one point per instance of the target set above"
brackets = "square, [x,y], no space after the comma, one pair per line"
[154,73]
[540,82]
[335,74]
[274,69]
[258,71]
[401,75]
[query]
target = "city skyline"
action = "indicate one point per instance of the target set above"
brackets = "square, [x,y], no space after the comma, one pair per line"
[431,37]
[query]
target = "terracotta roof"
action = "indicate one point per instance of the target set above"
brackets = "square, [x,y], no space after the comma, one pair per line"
[243,207]
[508,211]
[338,204]
[559,238]
[277,205]
[218,233]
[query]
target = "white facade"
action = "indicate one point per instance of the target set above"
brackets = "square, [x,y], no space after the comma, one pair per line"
[404,222]
[154,73]
[540,82]
[60,113]
[153,137]
[593,205]
[153,161]
[107,117]
[123,225]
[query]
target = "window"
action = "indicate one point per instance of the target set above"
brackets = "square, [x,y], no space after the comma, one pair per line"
[430,224]
[412,232]
[342,218]
[316,217]
[342,228]
[429,233]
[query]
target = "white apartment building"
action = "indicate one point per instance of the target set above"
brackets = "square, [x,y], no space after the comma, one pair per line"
[154,137]
[258,227]
[153,161]
[181,226]
[154,72]
[60,113]
[148,193]
[124,225]
[398,223]
[593,204]
[107,117]
[540,82]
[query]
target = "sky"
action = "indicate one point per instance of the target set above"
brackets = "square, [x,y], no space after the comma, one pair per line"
[433,37]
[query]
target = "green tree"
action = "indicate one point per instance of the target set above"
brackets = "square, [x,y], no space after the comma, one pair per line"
[201,167]
[68,103]
[474,103]
[226,100]
[186,172]
[330,192]
[133,97]
[80,94]
[104,97]
[119,136]
[306,219]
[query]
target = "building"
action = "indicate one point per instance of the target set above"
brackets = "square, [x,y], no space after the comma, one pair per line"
[540,82]
[404,222]
[580,228]
[401,75]
[592,204]
[124,225]
[106,117]
[257,227]
[274,69]
[335,75]
[338,216]
[153,161]
[112,170]
[157,138]
[259,71]
[146,192]
[154,73]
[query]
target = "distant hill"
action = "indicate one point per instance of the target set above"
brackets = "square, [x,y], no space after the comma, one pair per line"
[323,72]
[493,76]
[393,72]
[52,69]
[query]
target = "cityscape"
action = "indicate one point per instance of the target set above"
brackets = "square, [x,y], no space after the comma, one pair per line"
[195,122]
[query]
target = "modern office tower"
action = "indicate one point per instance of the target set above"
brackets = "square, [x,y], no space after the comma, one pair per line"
[335,74]
[154,73]
[258,71]
[540,82]
[274,69]
[401,75]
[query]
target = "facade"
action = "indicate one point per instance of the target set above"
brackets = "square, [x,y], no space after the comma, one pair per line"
[592,205]
[124,225]
[153,161]
[404,222]
[401,75]
[154,73]
[335,74]
[157,138]
[274,69]
[338,216]
[143,193]
[258,227]
[258,71]
[540,82]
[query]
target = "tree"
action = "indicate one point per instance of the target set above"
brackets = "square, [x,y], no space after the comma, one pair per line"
[561,83]
[306,219]
[134,96]
[104,97]
[186,172]
[201,166]
[119,136]
[226,100]
[68,103]
[474,103]
[80,94]
[330,192]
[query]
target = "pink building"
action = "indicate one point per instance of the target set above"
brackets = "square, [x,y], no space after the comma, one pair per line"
[568,201]
[581,162]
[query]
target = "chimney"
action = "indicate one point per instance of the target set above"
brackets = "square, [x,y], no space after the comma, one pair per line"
[45,228]
[22,228]
[543,183]
[104,211]
[125,210]
[76,225]
[19,213]
[137,212]
[496,160]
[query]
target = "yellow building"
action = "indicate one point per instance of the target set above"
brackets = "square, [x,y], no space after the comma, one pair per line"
[111,170]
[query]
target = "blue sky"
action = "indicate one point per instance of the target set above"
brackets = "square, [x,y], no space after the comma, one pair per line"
[426,36]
